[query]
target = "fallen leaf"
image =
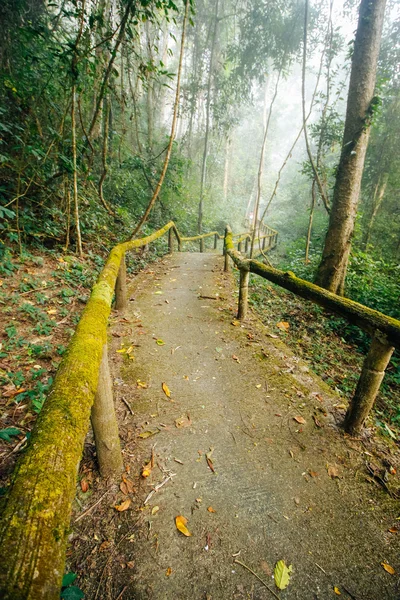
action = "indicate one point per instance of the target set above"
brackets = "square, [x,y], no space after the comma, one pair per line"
[126,486]
[166,390]
[146,470]
[141,384]
[337,591]
[211,510]
[84,485]
[313,473]
[52,311]
[296,500]
[155,510]
[104,546]
[122,350]
[333,472]
[266,568]
[168,572]
[124,505]
[13,392]
[160,342]
[235,323]
[236,358]
[388,568]
[272,335]
[184,421]
[146,434]
[300,420]
[130,564]
[282,574]
[209,460]
[283,326]
[393,530]
[258,385]
[317,423]
[180,523]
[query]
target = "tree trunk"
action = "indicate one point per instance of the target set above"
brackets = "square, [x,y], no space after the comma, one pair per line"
[207,132]
[173,128]
[332,269]
[75,174]
[226,167]
[379,193]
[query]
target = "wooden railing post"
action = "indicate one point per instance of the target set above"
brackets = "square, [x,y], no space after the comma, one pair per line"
[104,423]
[372,373]
[202,245]
[215,241]
[121,296]
[170,241]
[243,293]
[226,255]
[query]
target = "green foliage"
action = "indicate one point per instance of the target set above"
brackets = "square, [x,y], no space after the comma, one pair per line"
[8,433]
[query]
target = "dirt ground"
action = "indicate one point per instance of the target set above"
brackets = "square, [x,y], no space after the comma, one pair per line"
[247,448]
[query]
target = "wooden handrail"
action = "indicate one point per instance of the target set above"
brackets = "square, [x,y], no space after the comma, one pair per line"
[35,521]
[384,330]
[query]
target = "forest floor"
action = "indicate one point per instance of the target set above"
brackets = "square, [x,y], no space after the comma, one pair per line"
[235,434]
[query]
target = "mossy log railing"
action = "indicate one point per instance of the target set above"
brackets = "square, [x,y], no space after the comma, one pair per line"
[384,330]
[37,508]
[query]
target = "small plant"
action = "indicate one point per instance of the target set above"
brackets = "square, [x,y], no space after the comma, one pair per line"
[44,327]
[69,591]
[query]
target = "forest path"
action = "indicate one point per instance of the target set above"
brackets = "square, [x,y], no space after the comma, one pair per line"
[236,391]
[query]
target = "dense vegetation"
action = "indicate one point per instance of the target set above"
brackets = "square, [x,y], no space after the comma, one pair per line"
[86,101]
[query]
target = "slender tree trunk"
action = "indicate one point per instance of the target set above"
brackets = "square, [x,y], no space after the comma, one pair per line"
[207,132]
[303,97]
[332,269]
[173,128]
[104,152]
[226,166]
[75,174]
[310,221]
[261,163]
[379,193]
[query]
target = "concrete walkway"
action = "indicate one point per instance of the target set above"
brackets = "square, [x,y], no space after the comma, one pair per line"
[283,484]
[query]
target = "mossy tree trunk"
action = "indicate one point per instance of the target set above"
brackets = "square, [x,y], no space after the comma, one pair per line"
[360,106]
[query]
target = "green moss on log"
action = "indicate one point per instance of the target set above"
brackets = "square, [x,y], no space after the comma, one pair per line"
[35,521]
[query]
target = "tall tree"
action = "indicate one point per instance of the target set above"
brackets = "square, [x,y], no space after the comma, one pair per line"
[361,105]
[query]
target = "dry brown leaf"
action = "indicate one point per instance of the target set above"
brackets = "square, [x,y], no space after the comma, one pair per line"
[180,522]
[388,568]
[130,564]
[104,546]
[300,420]
[333,471]
[393,530]
[168,572]
[266,568]
[126,486]
[209,460]
[184,421]
[313,473]
[283,325]
[155,510]
[236,358]
[124,505]
[84,485]
[211,510]
[317,423]
[166,390]
[146,470]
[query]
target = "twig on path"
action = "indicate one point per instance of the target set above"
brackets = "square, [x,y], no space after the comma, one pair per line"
[122,593]
[255,575]
[91,507]
[128,405]
[319,567]
[158,486]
